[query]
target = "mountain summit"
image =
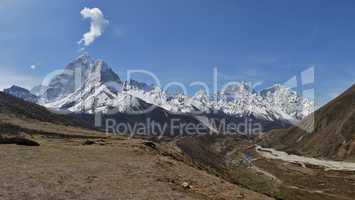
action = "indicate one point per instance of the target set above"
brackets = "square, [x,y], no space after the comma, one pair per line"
[80,74]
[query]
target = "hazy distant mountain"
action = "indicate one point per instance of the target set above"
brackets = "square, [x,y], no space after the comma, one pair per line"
[21,93]
[333,136]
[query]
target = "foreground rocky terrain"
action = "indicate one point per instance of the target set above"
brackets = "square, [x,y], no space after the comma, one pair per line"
[206,167]
[111,169]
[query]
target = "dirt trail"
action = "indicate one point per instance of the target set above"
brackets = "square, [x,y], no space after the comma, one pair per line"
[327,164]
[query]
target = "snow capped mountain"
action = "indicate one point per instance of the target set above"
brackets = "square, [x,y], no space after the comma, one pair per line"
[237,91]
[21,93]
[286,101]
[88,85]
[133,84]
[277,102]
[67,80]
[201,102]
[178,103]
[81,74]
[240,99]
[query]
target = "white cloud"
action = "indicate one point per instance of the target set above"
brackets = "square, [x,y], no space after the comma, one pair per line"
[33,67]
[97,25]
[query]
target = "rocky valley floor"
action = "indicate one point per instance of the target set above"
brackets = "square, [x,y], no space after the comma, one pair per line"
[237,160]
[121,168]
[106,169]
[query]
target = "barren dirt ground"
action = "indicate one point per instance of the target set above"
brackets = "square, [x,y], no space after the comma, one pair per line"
[117,169]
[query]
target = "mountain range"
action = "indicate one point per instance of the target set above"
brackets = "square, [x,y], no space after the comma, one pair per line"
[87,85]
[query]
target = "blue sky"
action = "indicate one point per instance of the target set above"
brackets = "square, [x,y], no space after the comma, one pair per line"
[252,40]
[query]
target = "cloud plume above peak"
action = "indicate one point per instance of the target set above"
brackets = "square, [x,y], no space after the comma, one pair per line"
[97,25]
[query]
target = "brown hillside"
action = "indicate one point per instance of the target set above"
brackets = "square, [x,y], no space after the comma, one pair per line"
[333,136]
